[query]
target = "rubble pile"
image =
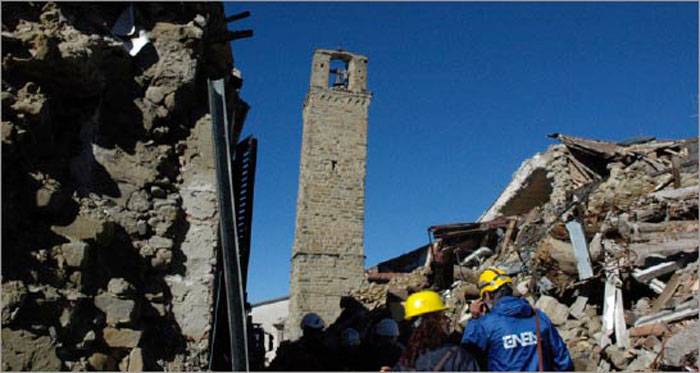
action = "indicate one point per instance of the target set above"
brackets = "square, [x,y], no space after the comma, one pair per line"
[373,295]
[603,237]
[107,184]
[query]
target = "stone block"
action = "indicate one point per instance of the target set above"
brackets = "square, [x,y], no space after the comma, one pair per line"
[101,362]
[618,357]
[155,94]
[594,324]
[120,287]
[127,338]
[84,228]
[74,253]
[117,311]
[556,311]
[643,361]
[681,345]
[139,201]
[14,294]
[136,360]
[162,259]
[158,242]
[23,350]
[577,309]
[157,192]
[142,227]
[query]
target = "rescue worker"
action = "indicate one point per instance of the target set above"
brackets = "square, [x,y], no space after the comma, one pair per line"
[383,349]
[428,347]
[513,335]
[308,353]
[350,357]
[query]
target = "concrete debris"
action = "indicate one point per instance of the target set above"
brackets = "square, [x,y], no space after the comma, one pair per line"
[594,233]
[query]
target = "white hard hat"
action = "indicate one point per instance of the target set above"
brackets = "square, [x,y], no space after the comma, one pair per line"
[313,321]
[387,328]
[350,337]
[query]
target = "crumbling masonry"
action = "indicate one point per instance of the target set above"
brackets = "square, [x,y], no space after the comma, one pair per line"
[109,194]
[328,252]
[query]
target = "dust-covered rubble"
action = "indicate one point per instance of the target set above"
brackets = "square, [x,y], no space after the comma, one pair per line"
[622,291]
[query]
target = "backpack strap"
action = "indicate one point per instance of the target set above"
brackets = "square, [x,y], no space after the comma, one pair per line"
[438,367]
[540,360]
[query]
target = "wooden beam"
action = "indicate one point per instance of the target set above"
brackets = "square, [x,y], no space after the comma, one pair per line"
[509,235]
[667,248]
[685,310]
[676,172]
[669,290]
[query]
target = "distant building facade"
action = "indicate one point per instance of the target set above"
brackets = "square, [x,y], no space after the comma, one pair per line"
[272,315]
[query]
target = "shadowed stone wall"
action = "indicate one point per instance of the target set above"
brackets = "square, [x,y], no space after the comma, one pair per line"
[109,212]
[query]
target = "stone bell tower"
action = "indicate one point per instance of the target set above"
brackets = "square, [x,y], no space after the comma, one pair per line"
[328,252]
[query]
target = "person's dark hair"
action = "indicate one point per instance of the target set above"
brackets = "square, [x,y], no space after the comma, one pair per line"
[505,290]
[430,334]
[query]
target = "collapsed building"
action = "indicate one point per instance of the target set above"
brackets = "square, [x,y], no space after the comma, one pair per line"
[110,216]
[601,236]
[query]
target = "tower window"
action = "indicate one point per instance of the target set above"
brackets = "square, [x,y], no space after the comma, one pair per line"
[338,76]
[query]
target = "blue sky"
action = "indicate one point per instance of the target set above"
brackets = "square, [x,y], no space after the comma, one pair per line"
[463,93]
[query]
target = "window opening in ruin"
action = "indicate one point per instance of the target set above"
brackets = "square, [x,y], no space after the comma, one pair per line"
[338,74]
[333,164]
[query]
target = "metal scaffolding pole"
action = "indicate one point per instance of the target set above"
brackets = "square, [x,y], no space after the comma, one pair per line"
[233,280]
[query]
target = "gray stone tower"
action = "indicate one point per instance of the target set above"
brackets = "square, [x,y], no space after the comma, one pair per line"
[328,252]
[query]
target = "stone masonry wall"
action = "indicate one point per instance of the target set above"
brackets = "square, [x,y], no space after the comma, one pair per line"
[109,209]
[328,252]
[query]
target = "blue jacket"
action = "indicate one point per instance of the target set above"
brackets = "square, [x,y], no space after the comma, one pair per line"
[507,334]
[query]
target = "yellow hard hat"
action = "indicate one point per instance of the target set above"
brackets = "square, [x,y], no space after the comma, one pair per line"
[491,279]
[423,302]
